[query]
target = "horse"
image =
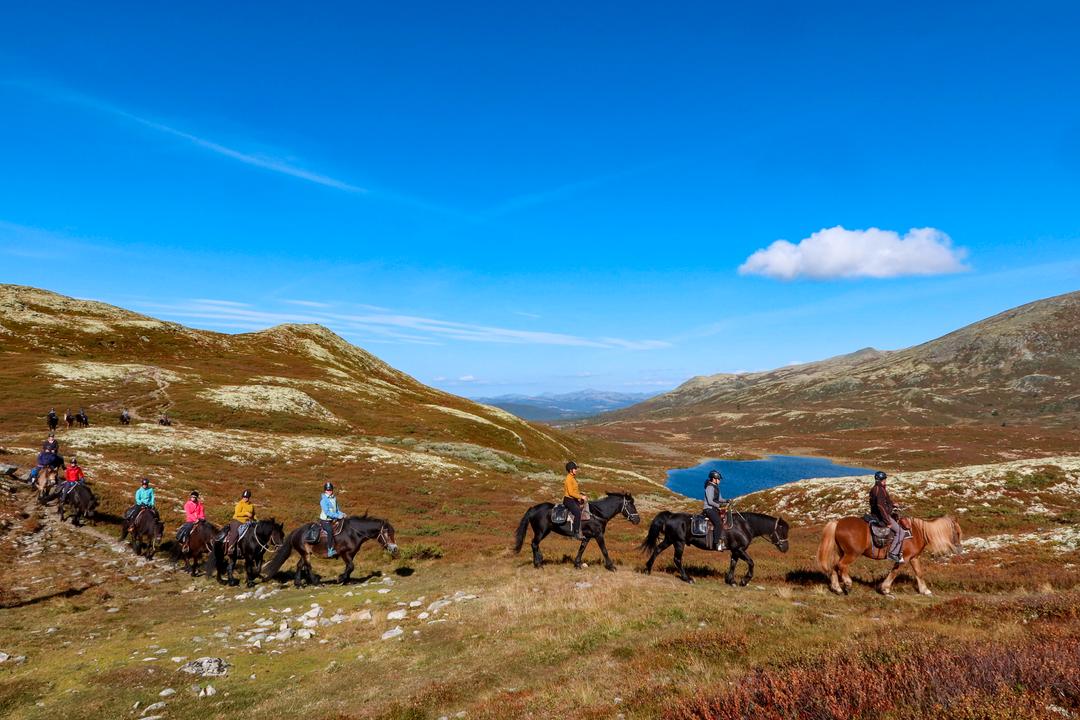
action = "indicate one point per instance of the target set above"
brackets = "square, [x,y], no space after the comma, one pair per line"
[602,510]
[81,498]
[199,545]
[354,531]
[52,420]
[146,531]
[262,536]
[125,418]
[45,481]
[82,420]
[844,540]
[69,419]
[675,527]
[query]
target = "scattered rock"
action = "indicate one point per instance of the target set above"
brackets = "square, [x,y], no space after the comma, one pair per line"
[304,634]
[390,634]
[396,615]
[383,591]
[166,692]
[423,616]
[206,667]
[582,585]
[207,691]
[154,707]
[4,657]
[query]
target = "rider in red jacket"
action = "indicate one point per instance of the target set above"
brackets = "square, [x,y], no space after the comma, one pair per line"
[74,473]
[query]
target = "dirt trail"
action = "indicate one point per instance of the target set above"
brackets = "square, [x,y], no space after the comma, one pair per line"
[43,558]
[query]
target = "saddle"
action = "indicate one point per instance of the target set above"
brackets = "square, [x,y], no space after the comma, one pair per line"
[560,514]
[881,534]
[318,529]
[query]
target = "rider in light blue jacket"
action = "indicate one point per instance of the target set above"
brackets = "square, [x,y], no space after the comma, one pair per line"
[145,494]
[330,512]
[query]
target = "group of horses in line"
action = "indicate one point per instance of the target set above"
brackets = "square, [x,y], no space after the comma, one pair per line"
[80,419]
[843,541]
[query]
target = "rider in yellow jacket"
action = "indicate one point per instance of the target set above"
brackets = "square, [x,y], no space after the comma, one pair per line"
[573,499]
[244,512]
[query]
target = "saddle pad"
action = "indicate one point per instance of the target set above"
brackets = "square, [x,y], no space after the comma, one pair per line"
[699,525]
[313,533]
[560,514]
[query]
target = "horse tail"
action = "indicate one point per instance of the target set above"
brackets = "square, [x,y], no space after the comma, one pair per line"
[655,529]
[827,555]
[523,527]
[270,569]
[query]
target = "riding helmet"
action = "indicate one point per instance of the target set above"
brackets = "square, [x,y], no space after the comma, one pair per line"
[194,493]
[571,466]
[146,481]
[879,476]
[247,494]
[715,475]
[328,486]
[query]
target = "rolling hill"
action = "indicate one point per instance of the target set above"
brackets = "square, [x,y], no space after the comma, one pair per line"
[1011,381]
[555,407]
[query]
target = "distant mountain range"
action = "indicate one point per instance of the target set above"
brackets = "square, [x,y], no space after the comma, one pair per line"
[548,407]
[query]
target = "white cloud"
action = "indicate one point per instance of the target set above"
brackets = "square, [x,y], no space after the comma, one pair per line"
[837,252]
[467,378]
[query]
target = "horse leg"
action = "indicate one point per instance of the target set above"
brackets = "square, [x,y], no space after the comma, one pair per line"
[842,569]
[652,558]
[745,557]
[916,567]
[679,546]
[249,570]
[608,564]
[298,579]
[729,576]
[538,557]
[886,584]
[348,558]
[580,552]
[232,581]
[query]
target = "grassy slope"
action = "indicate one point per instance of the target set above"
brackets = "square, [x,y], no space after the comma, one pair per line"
[616,643]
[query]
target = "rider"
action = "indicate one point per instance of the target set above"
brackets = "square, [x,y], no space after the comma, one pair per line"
[144,498]
[50,453]
[53,420]
[574,500]
[125,416]
[329,513]
[714,506]
[884,509]
[73,475]
[194,512]
[243,514]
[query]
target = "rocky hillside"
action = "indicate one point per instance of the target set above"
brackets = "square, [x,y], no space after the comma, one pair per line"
[1020,368]
[67,353]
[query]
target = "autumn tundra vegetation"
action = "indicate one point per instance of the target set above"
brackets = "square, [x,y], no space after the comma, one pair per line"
[979,427]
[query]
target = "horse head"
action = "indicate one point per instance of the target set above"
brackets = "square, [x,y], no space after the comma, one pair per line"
[277,532]
[779,536]
[629,510]
[387,539]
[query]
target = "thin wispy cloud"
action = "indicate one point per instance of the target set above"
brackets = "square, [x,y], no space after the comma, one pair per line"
[543,197]
[307,303]
[386,326]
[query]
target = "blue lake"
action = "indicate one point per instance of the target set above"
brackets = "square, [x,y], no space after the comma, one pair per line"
[747,476]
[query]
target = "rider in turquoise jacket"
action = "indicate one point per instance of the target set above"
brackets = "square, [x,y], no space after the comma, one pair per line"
[145,494]
[330,512]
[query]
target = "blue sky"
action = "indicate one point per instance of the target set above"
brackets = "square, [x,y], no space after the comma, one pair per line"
[521,199]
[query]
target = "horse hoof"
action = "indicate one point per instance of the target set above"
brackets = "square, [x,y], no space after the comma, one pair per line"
[744,583]
[610,568]
[688,580]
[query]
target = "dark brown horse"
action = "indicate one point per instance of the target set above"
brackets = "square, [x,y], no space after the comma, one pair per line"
[80,500]
[538,517]
[354,531]
[261,536]
[198,547]
[844,540]
[146,530]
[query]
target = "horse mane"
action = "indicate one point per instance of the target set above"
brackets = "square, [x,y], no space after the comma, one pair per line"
[942,535]
[620,493]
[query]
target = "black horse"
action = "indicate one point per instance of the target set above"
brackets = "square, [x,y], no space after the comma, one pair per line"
[81,498]
[262,536]
[82,419]
[146,530]
[602,510]
[125,417]
[53,420]
[353,532]
[675,527]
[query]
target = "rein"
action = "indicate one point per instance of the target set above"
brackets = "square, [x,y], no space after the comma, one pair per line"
[626,510]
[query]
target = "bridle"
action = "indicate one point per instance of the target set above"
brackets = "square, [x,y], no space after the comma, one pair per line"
[774,536]
[626,510]
[269,545]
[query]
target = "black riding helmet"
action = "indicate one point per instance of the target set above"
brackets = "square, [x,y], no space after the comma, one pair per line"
[328,486]
[715,475]
[246,493]
[195,493]
[146,481]
[879,476]
[571,466]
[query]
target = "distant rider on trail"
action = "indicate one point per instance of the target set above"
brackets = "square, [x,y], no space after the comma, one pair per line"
[574,500]
[714,507]
[884,509]
[194,513]
[328,513]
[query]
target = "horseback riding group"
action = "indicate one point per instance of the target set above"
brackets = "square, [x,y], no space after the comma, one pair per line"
[719,528]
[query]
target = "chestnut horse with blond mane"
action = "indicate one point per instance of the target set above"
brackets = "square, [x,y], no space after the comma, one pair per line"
[844,540]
